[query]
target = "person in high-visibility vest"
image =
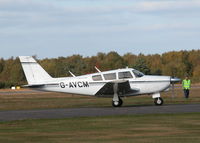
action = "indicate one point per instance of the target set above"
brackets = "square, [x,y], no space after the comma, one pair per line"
[186,84]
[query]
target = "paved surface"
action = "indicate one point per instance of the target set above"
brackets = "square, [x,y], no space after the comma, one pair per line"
[94,112]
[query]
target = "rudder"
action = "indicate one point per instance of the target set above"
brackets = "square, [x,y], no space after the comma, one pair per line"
[34,73]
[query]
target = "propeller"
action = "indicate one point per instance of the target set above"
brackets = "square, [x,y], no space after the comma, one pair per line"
[174,80]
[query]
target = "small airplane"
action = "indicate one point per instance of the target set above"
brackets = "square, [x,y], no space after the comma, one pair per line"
[114,83]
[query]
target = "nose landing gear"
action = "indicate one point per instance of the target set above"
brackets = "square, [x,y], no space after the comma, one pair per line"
[158,101]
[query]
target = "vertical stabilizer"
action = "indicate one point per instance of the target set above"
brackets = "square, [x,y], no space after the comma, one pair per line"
[34,73]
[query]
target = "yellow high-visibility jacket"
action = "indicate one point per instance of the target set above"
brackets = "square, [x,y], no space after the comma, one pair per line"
[186,84]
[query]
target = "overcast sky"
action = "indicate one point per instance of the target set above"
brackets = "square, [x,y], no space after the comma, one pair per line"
[53,28]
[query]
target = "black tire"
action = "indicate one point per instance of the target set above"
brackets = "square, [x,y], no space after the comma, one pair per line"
[117,103]
[158,101]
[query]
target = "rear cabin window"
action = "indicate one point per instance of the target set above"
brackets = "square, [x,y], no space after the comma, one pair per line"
[110,76]
[97,77]
[123,75]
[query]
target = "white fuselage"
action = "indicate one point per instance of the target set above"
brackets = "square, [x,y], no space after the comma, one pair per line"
[90,84]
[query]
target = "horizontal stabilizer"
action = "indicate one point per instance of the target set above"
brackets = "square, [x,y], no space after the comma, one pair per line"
[33,86]
[40,85]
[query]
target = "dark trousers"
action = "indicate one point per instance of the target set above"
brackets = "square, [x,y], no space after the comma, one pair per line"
[186,93]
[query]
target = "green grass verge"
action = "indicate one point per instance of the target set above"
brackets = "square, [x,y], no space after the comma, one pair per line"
[162,128]
[59,100]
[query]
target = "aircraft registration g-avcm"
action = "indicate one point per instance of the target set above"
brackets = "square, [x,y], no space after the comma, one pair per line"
[114,83]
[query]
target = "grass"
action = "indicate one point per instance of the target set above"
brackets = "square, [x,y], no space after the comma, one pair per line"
[156,128]
[165,128]
[16,101]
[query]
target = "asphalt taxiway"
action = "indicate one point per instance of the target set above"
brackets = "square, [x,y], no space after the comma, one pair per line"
[96,112]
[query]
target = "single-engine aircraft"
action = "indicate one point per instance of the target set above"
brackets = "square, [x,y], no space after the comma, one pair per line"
[114,83]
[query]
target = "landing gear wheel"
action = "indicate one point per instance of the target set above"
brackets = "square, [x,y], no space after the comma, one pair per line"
[117,103]
[158,101]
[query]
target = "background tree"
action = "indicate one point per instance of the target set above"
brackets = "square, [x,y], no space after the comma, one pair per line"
[112,61]
[171,63]
[141,65]
[155,64]
[130,59]
[1,65]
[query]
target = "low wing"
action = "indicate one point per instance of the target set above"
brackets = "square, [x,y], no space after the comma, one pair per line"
[123,89]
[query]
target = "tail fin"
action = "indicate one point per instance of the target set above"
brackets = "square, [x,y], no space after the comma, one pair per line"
[34,73]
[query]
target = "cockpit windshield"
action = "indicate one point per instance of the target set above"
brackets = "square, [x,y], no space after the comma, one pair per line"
[137,73]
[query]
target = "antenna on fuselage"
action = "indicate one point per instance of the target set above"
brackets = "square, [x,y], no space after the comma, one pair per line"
[97,69]
[72,74]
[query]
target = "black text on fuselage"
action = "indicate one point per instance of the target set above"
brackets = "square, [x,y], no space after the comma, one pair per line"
[76,84]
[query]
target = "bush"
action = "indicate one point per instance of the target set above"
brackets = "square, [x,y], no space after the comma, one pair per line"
[2,85]
[9,84]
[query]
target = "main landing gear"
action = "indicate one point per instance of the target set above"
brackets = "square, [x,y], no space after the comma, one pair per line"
[117,101]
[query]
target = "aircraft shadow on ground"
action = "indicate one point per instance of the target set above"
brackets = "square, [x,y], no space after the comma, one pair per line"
[142,105]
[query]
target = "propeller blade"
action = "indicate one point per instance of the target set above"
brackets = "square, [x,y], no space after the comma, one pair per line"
[174,80]
[173,93]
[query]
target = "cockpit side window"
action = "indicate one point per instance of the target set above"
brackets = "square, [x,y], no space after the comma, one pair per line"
[123,75]
[97,77]
[137,73]
[110,76]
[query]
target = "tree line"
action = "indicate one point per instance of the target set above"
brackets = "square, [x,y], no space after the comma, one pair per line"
[177,64]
